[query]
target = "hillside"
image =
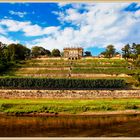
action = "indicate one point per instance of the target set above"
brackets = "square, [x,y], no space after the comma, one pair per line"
[84,68]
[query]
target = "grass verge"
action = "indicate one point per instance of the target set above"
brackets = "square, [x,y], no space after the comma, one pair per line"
[21,106]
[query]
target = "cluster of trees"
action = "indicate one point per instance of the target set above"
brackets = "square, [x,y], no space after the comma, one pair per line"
[37,51]
[128,52]
[13,53]
[132,51]
[109,52]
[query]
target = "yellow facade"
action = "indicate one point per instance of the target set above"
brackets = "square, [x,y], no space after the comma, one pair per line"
[73,53]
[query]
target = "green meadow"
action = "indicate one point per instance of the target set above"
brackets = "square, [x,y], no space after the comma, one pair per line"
[67,106]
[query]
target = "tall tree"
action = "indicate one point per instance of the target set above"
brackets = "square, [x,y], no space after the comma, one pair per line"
[87,53]
[109,52]
[126,50]
[17,52]
[55,53]
[37,51]
[48,53]
[135,50]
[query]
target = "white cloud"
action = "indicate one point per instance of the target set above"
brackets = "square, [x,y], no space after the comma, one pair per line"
[63,4]
[99,24]
[138,4]
[137,14]
[32,30]
[36,30]
[2,31]
[13,25]
[28,28]
[20,14]
[7,40]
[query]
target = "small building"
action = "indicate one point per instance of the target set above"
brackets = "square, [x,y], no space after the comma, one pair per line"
[73,53]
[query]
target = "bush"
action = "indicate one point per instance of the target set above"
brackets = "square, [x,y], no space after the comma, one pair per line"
[130,106]
[44,83]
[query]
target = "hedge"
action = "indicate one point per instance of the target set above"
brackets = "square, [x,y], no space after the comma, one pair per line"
[44,83]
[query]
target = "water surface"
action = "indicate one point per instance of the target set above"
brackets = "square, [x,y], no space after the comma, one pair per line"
[79,126]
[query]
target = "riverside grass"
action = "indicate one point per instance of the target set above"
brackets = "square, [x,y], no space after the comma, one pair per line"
[55,106]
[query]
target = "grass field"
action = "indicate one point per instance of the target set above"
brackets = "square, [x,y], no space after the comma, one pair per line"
[20,106]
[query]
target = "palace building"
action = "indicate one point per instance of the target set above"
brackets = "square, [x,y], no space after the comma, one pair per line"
[73,53]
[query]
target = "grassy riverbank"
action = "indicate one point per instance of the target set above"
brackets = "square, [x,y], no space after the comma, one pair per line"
[27,106]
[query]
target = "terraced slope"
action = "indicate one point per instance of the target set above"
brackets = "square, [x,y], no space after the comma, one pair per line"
[84,68]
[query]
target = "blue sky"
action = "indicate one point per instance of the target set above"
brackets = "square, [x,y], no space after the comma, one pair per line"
[92,26]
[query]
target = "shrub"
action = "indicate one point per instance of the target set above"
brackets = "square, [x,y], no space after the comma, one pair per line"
[130,106]
[44,83]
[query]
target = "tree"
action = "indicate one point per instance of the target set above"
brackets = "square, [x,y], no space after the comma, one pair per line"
[87,53]
[55,53]
[135,50]
[3,58]
[48,53]
[126,50]
[17,52]
[103,53]
[37,51]
[109,52]
[10,53]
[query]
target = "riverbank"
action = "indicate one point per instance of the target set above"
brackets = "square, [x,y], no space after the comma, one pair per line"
[56,107]
[91,114]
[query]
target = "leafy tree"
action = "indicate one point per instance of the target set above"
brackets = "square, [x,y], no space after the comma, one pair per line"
[103,53]
[126,50]
[135,50]
[4,61]
[131,51]
[55,53]
[12,53]
[87,53]
[109,52]
[48,53]
[116,53]
[17,52]
[37,51]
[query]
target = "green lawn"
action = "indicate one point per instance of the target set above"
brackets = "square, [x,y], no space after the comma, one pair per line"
[103,70]
[67,106]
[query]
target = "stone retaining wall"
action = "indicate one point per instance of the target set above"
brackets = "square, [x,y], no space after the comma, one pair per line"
[94,75]
[70,94]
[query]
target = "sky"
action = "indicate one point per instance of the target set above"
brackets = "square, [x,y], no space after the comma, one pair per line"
[92,26]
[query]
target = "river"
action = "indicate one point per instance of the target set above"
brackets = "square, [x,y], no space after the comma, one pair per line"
[70,126]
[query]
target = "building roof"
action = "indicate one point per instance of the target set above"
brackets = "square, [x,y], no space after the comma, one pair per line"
[73,48]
